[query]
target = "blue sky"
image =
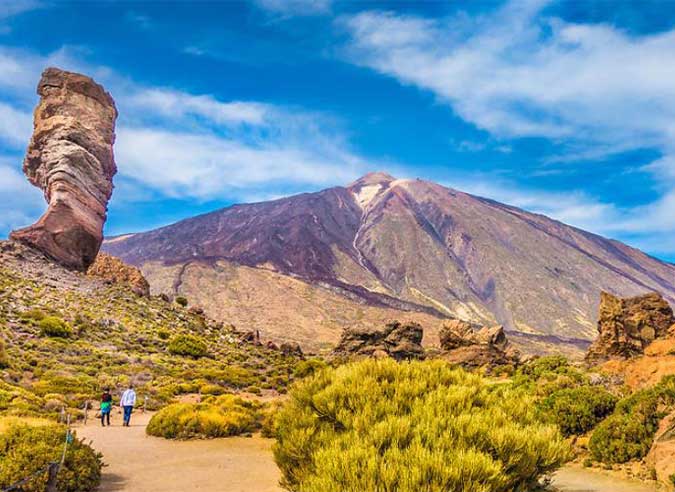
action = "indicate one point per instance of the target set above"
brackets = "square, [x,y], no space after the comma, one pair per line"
[563,108]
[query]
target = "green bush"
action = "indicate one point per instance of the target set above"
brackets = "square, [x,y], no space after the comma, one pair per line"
[53,326]
[223,416]
[308,367]
[25,449]
[578,410]
[381,425]
[546,375]
[4,358]
[189,345]
[629,432]
[181,301]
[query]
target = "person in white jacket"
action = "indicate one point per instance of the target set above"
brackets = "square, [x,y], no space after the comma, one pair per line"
[127,403]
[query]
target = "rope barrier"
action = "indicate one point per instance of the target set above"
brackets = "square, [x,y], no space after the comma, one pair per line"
[52,469]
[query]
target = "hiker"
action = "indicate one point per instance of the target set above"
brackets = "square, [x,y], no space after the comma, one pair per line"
[127,403]
[106,407]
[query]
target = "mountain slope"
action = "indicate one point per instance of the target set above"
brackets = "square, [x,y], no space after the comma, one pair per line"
[413,245]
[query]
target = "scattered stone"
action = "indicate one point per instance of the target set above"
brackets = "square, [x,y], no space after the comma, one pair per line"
[474,346]
[196,310]
[627,326]
[114,270]
[398,340]
[70,157]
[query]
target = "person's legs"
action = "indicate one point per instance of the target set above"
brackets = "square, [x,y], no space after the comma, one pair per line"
[127,414]
[103,419]
[107,417]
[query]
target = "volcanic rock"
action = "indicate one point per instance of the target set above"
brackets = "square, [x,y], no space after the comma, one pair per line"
[70,157]
[398,340]
[291,349]
[627,326]
[114,270]
[473,346]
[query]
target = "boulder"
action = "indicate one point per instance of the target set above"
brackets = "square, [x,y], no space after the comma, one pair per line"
[114,270]
[627,326]
[291,349]
[475,346]
[400,341]
[70,157]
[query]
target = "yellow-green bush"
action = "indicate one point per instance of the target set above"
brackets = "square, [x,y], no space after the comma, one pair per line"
[578,410]
[379,425]
[53,326]
[25,449]
[221,416]
[189,345]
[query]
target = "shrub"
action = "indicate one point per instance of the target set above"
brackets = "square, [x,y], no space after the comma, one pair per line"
[53,326]
[181,301]
[308,367]
[4,358]
[578,410]
[189,345]
[223,416]
[629,432]
[24,449]
[163,334]
[381,425]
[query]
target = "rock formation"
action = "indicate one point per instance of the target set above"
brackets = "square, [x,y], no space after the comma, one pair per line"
[70,157]
[114,270]
[473,346]
[398,340]
[627,326]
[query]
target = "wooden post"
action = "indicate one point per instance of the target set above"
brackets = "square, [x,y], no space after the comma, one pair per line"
[52,474]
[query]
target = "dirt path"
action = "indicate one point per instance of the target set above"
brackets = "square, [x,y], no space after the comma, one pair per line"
[148,464]
[578,479]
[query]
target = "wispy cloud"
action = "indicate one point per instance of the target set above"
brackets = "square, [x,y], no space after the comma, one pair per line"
[592,89]
[295,7]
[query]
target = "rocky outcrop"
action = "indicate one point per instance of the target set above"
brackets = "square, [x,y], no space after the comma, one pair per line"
[70,157]
[114,270]
[627,326]
[400,341]
[472,346]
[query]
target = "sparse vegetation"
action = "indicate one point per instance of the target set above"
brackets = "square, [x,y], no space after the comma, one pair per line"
[382,425]
[28,446]
[181,301]
[221,416]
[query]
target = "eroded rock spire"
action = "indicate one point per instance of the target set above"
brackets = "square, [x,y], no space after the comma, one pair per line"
[70,157]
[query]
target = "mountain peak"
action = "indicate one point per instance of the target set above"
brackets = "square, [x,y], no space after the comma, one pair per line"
[373,178]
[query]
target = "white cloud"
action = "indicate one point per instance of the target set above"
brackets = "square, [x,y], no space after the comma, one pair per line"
[15,126]
[20,202]
[208,166]
[515,73]
[169,103]
[295,7]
